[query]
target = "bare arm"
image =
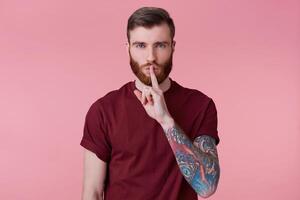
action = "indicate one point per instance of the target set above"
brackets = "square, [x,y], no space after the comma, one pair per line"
[198,161]
[94,174]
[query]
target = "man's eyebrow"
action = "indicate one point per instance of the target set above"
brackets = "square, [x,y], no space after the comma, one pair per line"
[162,42]
[137,42]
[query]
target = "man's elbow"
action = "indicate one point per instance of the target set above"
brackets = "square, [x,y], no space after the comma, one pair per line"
[206,194]
[90,194]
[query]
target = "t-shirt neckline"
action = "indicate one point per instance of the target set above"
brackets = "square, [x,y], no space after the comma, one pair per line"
[169,91]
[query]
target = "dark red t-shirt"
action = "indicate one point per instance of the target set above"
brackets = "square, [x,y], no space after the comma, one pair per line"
[141,164]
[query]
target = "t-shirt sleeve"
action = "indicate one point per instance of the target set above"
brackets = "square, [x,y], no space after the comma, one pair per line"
[95,137]
[207,124]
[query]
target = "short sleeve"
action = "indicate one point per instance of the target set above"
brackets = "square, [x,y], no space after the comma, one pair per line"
[95,137]
[207,124]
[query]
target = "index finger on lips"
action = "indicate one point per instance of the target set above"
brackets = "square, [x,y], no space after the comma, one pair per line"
[153,78]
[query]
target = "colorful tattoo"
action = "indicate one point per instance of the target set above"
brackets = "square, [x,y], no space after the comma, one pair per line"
[198,161]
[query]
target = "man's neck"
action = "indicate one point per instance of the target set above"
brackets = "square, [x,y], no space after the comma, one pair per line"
[164,86]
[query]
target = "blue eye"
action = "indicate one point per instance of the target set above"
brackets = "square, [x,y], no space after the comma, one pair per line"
[140,45]
[161,46]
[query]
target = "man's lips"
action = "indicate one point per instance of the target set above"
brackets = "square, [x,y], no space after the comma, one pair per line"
[154,67]
[147,70]
[154,70]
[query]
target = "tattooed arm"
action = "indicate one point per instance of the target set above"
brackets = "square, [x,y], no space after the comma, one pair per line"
[198,161]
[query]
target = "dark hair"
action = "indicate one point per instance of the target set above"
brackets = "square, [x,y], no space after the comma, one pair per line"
[149,17]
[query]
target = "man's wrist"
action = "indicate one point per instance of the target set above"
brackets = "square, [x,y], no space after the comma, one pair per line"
[167,123]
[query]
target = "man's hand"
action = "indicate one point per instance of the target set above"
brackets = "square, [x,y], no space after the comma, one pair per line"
[153,101]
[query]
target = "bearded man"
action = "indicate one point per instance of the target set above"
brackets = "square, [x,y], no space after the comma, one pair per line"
[151,139]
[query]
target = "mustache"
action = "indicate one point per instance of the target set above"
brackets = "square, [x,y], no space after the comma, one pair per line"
[149,64]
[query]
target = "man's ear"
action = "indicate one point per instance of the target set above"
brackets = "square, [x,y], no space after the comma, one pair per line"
[173,45]
[127,47]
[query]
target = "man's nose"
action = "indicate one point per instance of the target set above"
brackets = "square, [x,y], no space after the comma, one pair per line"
[151,55]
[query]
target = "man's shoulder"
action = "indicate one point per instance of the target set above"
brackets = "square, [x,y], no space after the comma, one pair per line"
[194,93]
[113,96]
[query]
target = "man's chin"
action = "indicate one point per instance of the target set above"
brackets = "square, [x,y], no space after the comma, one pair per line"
[146,81]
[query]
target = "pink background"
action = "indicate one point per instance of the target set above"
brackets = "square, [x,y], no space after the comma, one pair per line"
[57,57]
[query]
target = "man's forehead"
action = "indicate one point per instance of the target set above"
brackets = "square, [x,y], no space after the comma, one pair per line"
[157,33]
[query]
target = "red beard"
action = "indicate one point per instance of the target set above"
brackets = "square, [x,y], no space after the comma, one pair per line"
[164,70]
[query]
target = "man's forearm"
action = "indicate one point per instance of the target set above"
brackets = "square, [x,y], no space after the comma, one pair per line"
[199,168]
